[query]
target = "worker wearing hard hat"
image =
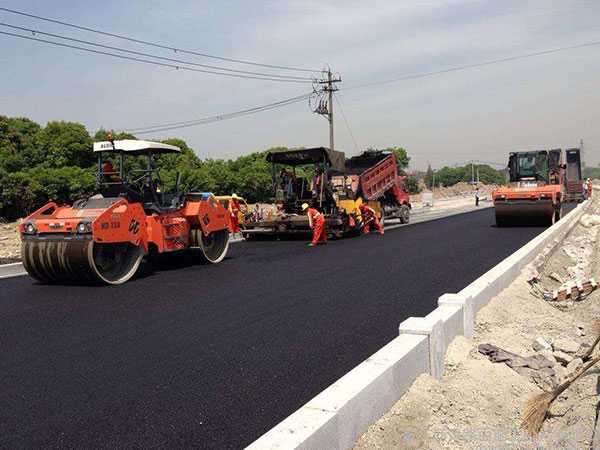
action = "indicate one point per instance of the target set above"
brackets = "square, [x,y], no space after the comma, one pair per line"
[316,221]
[234,210]
[589,187]
[369,218]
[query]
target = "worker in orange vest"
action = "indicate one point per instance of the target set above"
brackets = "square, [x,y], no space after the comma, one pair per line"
[589,188]
[316,221]
[369,217]
[234,210]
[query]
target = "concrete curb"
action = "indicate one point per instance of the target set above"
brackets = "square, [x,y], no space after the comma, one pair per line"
[336,417]
[12,270]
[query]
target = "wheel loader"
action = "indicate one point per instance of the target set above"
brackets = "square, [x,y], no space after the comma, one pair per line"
[102,239]
[536,190]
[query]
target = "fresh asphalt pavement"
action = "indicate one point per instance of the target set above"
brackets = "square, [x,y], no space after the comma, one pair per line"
[213,356]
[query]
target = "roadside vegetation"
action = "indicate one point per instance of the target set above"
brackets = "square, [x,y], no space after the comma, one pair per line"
[56,162]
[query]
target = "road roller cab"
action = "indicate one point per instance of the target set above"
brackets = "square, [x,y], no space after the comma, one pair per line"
[102,239]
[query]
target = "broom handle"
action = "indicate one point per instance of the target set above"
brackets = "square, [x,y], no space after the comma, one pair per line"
[566,384]
[591,350]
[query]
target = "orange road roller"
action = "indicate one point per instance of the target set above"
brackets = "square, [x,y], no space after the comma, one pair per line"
[103,239]
[536,190]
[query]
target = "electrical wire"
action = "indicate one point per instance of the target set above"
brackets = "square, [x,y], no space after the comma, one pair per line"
[157,45]
[474,65]
[346,122]
[216,118]
[147,61]
[95,44]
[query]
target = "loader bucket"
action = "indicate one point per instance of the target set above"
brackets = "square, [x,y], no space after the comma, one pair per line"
[80,261]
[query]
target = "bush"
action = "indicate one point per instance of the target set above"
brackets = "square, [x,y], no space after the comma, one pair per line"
[412,185]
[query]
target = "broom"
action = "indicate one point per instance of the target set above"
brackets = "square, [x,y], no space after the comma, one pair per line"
[596,331]
[537,407]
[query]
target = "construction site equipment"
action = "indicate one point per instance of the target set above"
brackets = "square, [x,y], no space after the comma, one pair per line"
[244,215]
[300,176]
[373,177]
[336,186]
[575,189]
[102,239]
[536,189]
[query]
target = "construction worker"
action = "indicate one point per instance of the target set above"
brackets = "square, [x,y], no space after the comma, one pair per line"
[369,217]
[589,187]
[316,221]
[109,173]
[234,210]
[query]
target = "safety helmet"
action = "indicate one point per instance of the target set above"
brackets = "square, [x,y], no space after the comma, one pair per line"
[304,206]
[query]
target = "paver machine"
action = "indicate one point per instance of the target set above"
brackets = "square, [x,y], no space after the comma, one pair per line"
[573,177]
[102,239]
[301,176]
[535,193]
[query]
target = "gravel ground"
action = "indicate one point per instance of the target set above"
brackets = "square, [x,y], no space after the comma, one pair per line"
[478,404]
[10,244]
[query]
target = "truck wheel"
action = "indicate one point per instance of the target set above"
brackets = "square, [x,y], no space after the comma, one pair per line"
[404,214]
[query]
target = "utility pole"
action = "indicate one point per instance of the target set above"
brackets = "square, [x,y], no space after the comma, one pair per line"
[472,173]
[325,107]
[582,153]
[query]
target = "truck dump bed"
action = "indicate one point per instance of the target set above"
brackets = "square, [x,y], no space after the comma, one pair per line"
[378,174]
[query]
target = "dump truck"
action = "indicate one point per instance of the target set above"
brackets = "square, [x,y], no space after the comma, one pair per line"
[373,177]
[536,190]
[334,185]
[102,239]
[574,183]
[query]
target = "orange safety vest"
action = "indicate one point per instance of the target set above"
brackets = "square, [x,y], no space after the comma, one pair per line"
[314,214]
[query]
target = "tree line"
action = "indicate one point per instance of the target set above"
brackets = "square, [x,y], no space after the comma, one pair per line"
[56,162]
[449,176]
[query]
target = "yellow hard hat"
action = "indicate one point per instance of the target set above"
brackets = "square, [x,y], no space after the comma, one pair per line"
[304,206]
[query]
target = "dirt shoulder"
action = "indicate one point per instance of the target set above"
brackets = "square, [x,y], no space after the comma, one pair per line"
[10,243]
[478,404]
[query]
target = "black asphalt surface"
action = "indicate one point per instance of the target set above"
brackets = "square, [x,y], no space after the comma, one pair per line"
[214,356]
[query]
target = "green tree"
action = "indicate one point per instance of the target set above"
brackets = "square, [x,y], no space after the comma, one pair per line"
[402,157]
[429,177]
[17,143]
[65,144]
[412,185]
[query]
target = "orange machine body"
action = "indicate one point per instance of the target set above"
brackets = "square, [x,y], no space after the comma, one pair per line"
[534,192]
[122,221]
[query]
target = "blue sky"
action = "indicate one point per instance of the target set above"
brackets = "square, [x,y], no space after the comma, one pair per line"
[483,113]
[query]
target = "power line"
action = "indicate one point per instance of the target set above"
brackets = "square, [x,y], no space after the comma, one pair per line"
[347,123]
[217,118]
[471,66]
[157,45]
[147,61]
[163,58]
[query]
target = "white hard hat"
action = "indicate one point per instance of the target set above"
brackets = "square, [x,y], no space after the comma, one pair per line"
[304,206]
